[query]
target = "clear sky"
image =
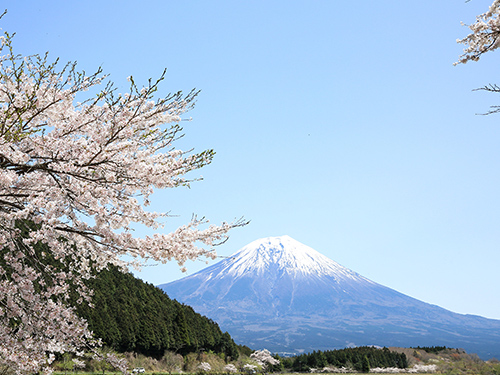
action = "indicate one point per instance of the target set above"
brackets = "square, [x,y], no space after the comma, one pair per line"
[342,124]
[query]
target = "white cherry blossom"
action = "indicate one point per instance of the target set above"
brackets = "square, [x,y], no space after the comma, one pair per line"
[264,358]
[484,36]
[204,367]
[75,178]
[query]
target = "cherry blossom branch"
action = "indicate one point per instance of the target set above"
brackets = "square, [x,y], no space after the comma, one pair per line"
[485,35]
[70,178]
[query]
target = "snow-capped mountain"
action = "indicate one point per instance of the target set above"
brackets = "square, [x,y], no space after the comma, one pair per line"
[280,294]
[283,255]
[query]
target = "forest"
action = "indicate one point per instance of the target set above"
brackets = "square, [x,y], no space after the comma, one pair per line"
[133,316]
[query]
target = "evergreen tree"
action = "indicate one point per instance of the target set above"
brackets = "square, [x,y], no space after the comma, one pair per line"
[365,364]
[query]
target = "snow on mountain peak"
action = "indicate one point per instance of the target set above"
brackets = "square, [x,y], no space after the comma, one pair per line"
[282,294]
[283,254]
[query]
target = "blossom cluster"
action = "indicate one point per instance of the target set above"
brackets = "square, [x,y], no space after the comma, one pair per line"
[264,358]
[204,367]
[485,35]
[74,180]
[230,368]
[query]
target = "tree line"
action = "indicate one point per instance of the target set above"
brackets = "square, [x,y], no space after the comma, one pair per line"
[359,358]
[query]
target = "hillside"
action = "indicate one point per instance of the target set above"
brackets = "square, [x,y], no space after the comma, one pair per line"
[131,315]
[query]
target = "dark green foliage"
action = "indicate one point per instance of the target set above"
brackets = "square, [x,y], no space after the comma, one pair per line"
[131,315]
[277,368]
[244,350]
[360,359]
[364,365]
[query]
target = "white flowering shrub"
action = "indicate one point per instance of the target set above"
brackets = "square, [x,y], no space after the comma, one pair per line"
[387,370]
[204,367]
[230,368]
[78,364]
[419,369]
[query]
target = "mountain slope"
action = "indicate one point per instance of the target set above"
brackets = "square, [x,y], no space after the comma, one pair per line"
[283,295]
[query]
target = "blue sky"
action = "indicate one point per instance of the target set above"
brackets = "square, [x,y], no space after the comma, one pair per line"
[342,124]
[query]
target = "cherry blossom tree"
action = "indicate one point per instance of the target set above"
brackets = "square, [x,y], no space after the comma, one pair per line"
[264,358]
[484,37]
[75,178]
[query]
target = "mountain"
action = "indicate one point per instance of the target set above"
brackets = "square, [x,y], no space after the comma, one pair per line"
[279,294]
